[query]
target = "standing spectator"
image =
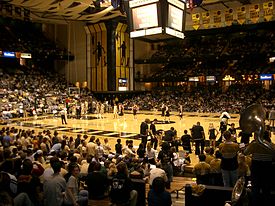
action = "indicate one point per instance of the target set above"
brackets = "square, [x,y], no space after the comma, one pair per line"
[165,156]
[199,137]
[229,163]
[144,131]
[55,186]
[186,142]
[153,133]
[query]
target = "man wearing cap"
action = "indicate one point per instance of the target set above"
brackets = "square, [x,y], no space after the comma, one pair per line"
[144,131]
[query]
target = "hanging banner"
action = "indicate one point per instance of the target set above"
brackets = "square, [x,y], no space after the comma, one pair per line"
[206,19]
[229,17]
[217,18]
[241,15]
[268,10]
[254,12]
[196,21]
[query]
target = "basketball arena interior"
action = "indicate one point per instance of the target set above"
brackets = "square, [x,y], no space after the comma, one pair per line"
[137,102]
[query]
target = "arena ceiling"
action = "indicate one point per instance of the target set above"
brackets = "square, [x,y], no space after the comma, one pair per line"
[88,10]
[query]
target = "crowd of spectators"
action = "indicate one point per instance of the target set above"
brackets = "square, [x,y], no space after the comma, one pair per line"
[205,99]
[231,52]
[78,168]
[23,36]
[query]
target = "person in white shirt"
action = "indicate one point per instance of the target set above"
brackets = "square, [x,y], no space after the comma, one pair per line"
[157,172]
[150,154]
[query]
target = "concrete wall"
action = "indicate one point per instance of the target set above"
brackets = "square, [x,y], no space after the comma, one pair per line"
[72,36]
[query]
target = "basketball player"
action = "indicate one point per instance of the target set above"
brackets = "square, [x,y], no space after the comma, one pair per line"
[115,111]
[135,109]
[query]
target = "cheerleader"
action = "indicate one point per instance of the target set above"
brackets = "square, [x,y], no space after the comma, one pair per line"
[212,132]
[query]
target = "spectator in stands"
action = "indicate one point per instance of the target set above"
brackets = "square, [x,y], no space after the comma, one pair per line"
[202,171]
[229,163]
[157,195]
[209,154]
[150,154]
[157,172]
[97,183]
[261,172]
[55,186]
[118,147]
[243,168]
[215,169]
[121,187]
[233,132]
[165,156]
[29,183]
[73,196]
[245,137]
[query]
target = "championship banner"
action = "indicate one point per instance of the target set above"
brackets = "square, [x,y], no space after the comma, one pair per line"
[254,12]
[268,10]
[217,18]
[206,19]
[229,17]
[241,15]
[196,21]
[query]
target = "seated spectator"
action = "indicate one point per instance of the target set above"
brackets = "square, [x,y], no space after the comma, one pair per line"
[157,195]
[209,154]
[215,169]
[121,187]
[157,172]
[202,171]
[97,183]
[243,168]
[73,196]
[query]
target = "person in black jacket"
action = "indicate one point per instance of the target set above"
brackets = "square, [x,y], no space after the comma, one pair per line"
[121,187]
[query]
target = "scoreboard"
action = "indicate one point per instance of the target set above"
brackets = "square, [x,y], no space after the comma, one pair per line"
[157,17]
